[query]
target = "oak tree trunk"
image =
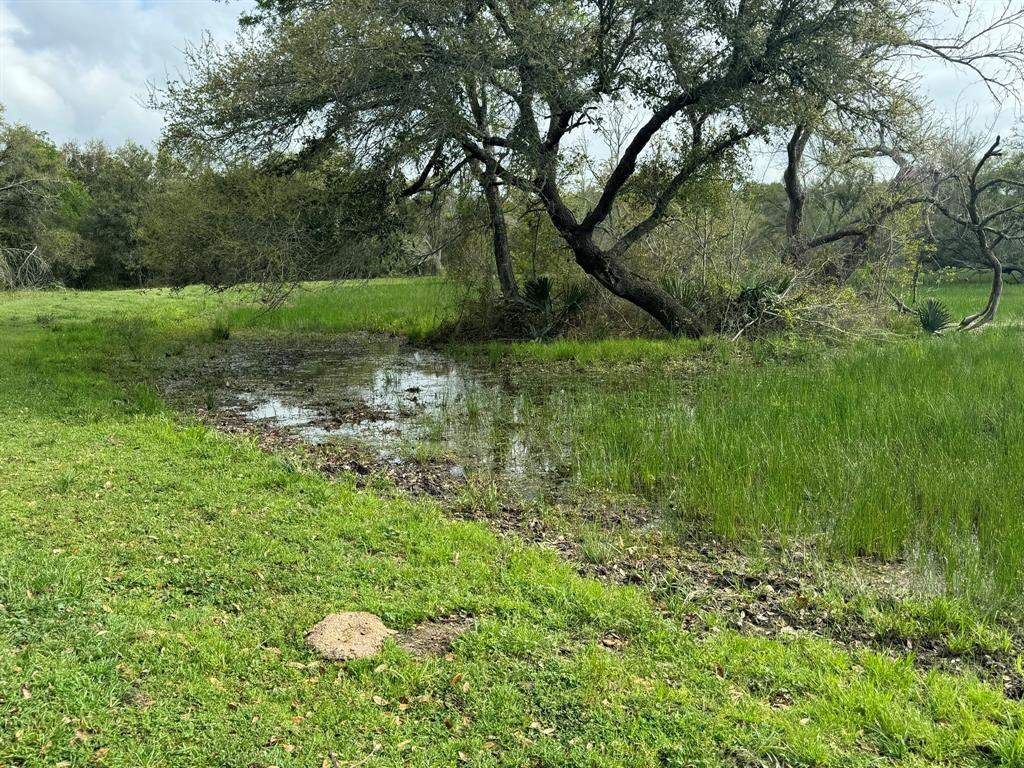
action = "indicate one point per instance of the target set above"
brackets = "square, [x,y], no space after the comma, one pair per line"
[499,233]
[635,288]
[796,250]
[607,269]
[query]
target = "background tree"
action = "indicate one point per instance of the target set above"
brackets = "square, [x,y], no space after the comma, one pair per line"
[989,205]
[205,223]
[40,205]
[118,182]
[955,245]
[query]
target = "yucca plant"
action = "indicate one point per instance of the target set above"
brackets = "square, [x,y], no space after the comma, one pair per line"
[934,317]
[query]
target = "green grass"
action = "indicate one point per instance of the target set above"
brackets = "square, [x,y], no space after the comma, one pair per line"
[414,307]
[600,352]
[910,448]
[966,297]
[156,580]
[906,449]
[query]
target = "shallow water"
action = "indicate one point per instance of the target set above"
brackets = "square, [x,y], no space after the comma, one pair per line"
[404,403]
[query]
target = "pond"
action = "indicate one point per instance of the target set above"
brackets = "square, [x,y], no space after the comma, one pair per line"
[402,403]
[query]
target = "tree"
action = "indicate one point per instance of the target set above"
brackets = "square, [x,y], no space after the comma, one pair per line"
[955,246]
[40,205]
[878,120]
[205,223]
[314,92]
[118,182]
[991,208]
[395,79]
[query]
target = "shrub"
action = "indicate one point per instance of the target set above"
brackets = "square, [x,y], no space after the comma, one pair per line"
[934,317]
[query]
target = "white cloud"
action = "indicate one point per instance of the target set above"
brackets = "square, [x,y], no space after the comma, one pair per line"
[78,69]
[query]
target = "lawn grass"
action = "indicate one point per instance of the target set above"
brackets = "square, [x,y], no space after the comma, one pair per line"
[156,580]
[413,307]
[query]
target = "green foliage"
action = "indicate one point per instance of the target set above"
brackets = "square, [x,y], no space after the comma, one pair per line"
[303,65]
[761,306]
[766,298]
[244,224]
[160,577]
[220,330]
[549,311]
[119,183]
[934,316]
[40,205]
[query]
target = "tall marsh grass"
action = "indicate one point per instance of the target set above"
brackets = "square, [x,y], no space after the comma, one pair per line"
[912,448]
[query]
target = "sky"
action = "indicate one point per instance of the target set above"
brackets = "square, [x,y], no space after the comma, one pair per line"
[80,69]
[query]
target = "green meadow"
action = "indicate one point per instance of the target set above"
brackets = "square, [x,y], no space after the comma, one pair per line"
[157,577]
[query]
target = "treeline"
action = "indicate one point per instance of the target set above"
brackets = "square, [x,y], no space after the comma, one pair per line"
[93,216]
[495,107]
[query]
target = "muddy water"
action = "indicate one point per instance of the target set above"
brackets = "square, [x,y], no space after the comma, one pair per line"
[401,403]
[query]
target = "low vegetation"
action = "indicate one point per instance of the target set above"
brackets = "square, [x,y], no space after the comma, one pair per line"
[902,450]
[417,308]
[157,577]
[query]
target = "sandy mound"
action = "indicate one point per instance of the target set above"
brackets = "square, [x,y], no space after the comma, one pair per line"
[347,636]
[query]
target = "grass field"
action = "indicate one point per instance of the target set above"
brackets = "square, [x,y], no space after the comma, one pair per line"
[907,448]
[904,449]
[967,297]
[411,307]
[901,449]
[156,578]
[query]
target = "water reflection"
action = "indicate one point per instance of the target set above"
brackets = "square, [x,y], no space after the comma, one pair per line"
[405,403]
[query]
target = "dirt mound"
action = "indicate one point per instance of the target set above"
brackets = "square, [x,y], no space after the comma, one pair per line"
[348,636]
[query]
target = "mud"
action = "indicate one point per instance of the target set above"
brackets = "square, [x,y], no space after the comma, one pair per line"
[382,404]
[434,638]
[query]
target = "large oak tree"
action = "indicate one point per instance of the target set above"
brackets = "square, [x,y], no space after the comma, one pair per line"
[426,86]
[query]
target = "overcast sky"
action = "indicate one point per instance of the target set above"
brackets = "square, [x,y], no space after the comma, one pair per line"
[78,68]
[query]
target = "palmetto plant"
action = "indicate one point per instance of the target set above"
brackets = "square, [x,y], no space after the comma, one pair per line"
[766,296]
[934,317]
[548,312]
[538,294]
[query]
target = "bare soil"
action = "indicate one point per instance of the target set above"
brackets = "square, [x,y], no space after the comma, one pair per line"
[434,638]
[348,636]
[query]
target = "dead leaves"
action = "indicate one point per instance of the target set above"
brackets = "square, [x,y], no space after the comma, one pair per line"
[613,641]
[545,730]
